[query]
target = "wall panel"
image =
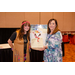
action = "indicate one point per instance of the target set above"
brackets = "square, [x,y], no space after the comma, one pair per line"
[14,19]
[73,20]
[45,17]
[2,19]
[67,21]
[59,17]
[32,17]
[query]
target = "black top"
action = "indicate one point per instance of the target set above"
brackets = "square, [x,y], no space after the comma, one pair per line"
[13,37]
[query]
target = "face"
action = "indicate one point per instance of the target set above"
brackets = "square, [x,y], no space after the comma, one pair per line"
[26,28]
[52,25]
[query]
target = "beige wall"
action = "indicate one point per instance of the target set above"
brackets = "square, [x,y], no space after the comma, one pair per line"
[66,20]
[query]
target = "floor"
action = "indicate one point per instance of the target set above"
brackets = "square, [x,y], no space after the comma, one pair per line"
[69,50]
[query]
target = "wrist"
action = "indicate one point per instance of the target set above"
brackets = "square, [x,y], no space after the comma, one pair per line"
[12,48]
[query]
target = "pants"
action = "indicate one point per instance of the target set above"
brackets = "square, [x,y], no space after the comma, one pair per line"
[36,56]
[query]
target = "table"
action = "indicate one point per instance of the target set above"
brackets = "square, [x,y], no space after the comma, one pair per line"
[65,38]
[5,46]
[72,38]
[6,54]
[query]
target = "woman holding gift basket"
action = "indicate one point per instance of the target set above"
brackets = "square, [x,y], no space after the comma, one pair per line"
[53,50]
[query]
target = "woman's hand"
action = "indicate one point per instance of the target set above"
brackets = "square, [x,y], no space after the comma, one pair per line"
[10,43]
[42,49]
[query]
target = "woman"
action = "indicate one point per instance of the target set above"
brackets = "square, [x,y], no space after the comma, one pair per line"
[52,50]
[21,43]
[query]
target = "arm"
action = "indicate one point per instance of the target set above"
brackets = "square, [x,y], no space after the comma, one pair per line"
[12,38]
[10,43]
[55,41]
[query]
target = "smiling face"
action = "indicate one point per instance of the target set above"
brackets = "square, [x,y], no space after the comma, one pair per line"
[26,27]
[52,25]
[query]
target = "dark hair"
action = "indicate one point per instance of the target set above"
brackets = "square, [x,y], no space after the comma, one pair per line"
[21,31]
[55,30]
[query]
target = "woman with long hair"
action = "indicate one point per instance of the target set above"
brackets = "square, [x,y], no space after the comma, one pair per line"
[21,40]
[53,50]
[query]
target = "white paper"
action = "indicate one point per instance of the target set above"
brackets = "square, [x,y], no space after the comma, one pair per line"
[38,35]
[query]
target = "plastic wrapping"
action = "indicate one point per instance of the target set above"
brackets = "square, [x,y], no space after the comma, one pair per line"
[38,35]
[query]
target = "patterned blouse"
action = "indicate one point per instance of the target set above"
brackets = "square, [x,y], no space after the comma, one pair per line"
[54,51]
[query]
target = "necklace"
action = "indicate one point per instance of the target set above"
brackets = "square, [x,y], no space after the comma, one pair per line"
[25,40]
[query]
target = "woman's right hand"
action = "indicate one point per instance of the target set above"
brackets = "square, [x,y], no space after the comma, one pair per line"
[11,44]
[42,49]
